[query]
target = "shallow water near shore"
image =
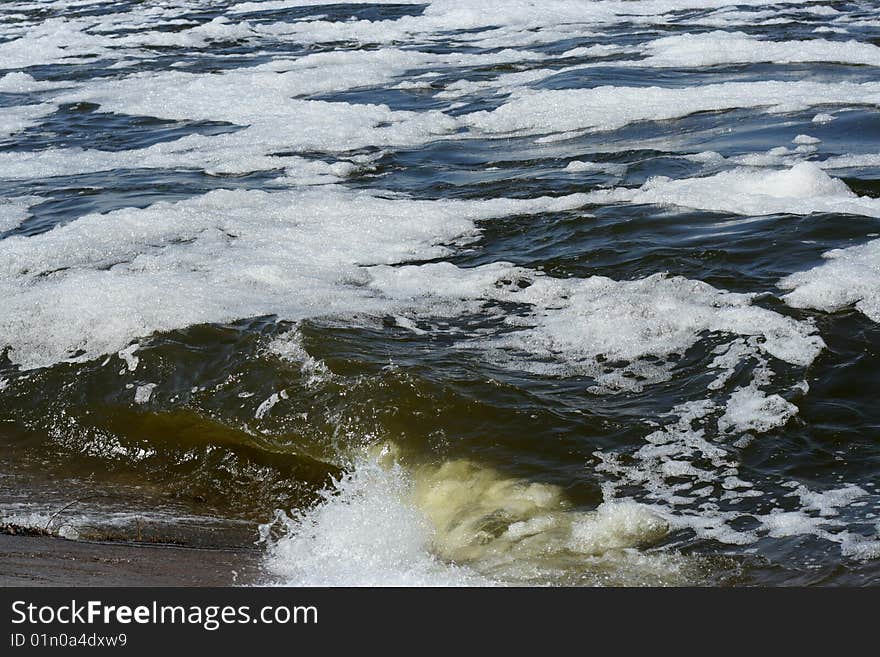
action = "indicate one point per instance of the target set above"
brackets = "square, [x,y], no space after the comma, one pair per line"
[447,293]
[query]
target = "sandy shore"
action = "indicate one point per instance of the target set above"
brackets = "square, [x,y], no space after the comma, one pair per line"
[47,561]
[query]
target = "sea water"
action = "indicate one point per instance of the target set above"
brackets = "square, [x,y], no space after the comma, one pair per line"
[447,292]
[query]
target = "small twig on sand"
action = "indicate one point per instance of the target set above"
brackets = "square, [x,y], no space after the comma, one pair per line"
[66,507]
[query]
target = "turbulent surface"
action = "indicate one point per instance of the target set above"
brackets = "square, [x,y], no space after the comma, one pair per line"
[447,292]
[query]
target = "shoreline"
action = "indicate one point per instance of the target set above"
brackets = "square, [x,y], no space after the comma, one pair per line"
[55,561]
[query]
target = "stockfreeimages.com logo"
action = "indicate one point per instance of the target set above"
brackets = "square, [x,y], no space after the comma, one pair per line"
[209,617]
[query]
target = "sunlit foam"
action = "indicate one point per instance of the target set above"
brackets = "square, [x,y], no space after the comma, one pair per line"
[461,523]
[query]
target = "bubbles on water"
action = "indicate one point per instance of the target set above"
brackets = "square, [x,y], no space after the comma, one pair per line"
[374,208]
[463,524]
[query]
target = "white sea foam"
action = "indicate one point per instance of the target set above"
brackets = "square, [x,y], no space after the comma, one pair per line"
[95,285]
[365,533]
[128,357]
[691,474]
[20,82]
[460,523]
[15,210]
[803,189]
[828,503]
[497,23]
[718,48]
[273,119]
[851,161]
[260,99]
[267,87]
[850,277]
[53,40]
[74,40]
[580,166]
[266,406]
[274,5]
[575,326]
[219,29]
[751,409]
[143,393]
[696,483]
[92,286]
[234,153]
[20,117]
[289,347]
[609,108]
[782,156]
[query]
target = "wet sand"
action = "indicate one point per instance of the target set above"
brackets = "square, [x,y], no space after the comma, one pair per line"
[49,561]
